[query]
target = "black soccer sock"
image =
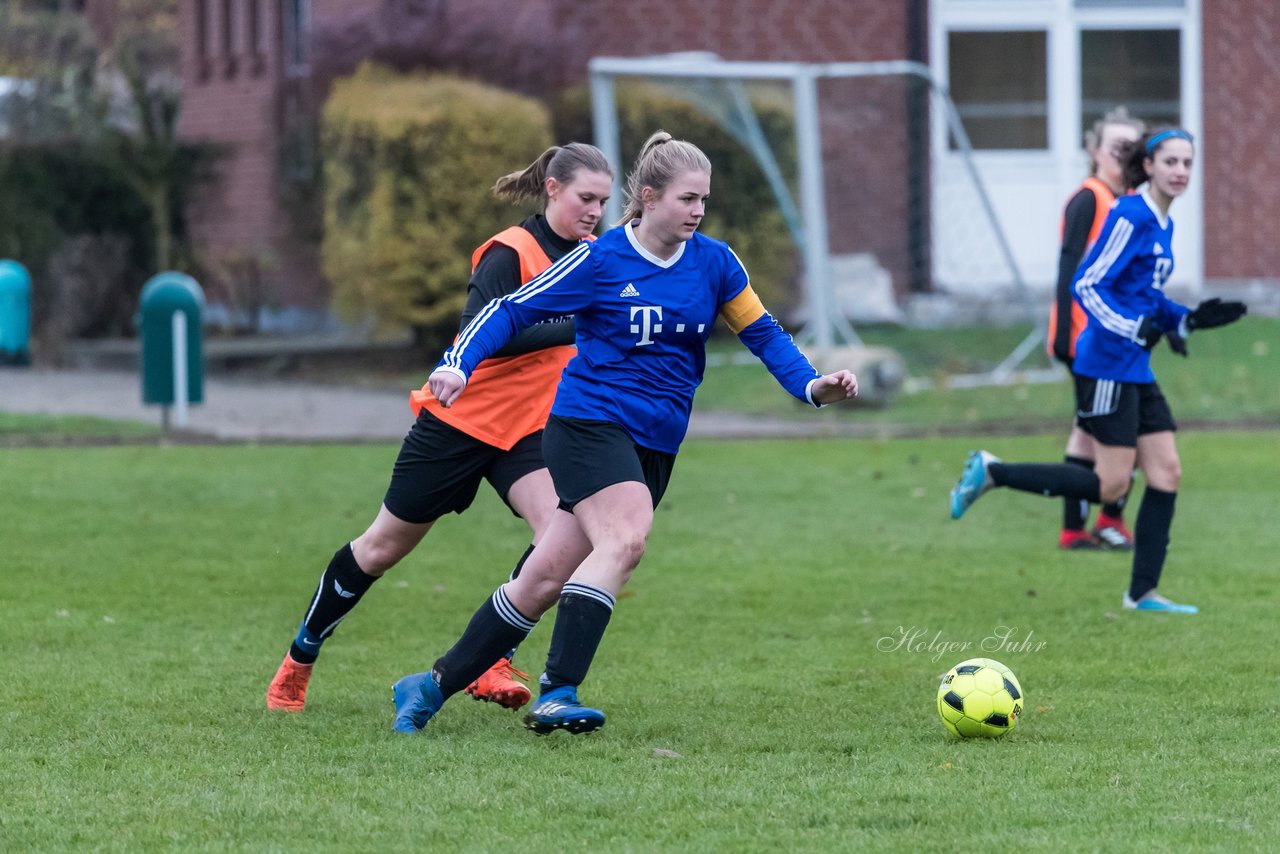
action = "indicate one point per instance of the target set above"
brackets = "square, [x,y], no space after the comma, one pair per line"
[1074,510]
[1047,479]
[340,588]
[495,628]
[1151,540]
[581,618]
[1116,508]
[515,573]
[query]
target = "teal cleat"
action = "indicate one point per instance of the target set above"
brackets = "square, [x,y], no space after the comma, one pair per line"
[417,698]
[974,481]
[1153,601]
[559,709]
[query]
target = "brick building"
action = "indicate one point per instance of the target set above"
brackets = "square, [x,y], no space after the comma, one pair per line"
[255,70]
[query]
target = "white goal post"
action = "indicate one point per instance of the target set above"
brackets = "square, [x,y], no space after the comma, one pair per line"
[717,87]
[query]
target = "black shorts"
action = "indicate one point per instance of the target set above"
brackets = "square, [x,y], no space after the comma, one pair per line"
[440,467]
[1117,413]
[584,456]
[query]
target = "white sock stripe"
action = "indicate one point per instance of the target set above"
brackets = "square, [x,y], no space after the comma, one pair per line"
[328,630]
[316,601]
[604,597]
[508,612]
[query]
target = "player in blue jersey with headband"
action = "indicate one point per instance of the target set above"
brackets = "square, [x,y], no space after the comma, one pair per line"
[645,297]
[1119,404]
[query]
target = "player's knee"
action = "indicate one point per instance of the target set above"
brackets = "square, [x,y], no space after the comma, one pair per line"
[1112,489]
[627,549]
[1165,476]
[376,555]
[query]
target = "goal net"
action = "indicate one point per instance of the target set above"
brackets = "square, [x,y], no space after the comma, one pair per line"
[875,180]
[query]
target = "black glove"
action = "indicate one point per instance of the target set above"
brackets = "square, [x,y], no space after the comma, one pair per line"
[1177,343]
[1215,312]
[1147,335]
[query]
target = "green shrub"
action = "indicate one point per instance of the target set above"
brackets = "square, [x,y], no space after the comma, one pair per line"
[742,210]
[408,162]
[82,231]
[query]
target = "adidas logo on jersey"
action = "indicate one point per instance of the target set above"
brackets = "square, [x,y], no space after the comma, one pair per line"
[629,291]
[1158,249]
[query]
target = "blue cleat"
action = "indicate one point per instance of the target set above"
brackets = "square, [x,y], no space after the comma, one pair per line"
[1153,601]
[973,482]
[417,698]
[559,709]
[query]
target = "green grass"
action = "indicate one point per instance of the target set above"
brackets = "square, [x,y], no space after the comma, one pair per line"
[1230,375]
[149,593]
[16,426]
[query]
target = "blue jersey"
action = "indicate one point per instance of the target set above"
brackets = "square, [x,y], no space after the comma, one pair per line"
[1120,284]
[642,328]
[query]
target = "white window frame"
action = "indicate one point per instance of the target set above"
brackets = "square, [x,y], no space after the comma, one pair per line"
[1063,161]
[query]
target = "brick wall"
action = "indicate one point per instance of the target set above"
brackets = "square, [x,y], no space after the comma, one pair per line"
[864,125]
[1241,78]
[243,104]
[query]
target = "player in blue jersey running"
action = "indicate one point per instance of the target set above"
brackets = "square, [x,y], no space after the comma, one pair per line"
[1118,402]
[645,297]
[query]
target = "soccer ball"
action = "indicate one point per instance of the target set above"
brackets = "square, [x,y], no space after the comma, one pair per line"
[980,698]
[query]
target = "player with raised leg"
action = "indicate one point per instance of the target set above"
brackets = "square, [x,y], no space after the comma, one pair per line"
[1118,402]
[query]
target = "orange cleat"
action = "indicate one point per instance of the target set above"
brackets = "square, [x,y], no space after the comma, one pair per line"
[288,690]
[498,685]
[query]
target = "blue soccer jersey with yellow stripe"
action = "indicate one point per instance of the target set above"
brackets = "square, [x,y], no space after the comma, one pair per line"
[1120,284]
[642,327]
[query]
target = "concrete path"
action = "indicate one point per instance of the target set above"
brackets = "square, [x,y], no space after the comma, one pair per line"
[279,410]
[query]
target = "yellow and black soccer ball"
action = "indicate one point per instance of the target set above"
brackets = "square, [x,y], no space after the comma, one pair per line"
[980,698]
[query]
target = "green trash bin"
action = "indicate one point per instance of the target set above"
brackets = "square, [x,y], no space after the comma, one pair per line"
[15,314]
[172,351]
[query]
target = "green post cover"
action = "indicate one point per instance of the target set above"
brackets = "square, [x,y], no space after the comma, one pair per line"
[162,296]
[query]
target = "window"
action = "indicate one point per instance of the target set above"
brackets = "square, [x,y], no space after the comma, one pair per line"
[202,38]
[999,83]
[1139,69]
[257,35]
[297,25]
[228,33]
[1129,5]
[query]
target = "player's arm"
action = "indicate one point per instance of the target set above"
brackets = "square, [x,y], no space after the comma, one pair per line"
[564,288]
[1094,281]
[769,343]
[497,275]
[1077,220]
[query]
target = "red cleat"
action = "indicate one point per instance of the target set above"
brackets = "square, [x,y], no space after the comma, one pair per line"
[1070,540]
[288,690]
[499,685]
[1112,533]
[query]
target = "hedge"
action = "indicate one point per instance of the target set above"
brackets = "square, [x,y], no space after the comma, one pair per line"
[408,163]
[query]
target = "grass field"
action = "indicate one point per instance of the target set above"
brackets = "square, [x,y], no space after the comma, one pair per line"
[758,693]
[1230,375]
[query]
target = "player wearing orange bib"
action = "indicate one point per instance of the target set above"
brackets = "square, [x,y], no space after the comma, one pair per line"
[496,435]
[1082,221]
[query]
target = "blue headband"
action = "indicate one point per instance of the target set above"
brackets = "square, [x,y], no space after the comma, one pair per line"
[1154,142]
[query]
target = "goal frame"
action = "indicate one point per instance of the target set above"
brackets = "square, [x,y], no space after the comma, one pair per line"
[825,327]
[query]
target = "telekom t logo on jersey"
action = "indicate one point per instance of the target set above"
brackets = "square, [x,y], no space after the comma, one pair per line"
[650,323]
